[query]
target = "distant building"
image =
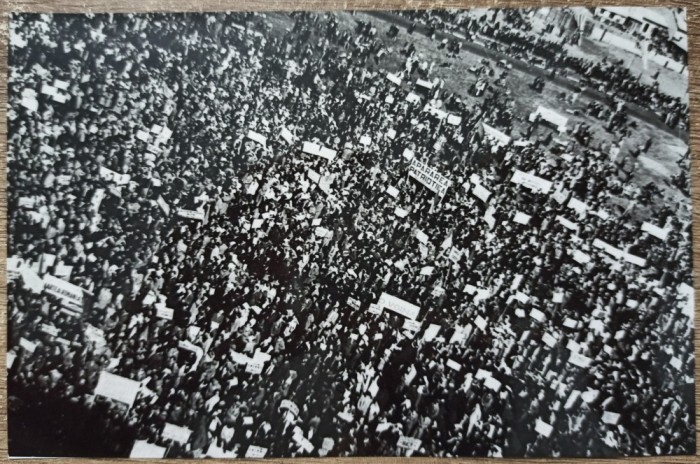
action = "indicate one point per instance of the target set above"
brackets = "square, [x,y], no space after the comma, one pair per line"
[648,22]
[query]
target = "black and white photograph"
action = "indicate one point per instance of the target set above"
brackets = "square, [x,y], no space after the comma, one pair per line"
[443,233]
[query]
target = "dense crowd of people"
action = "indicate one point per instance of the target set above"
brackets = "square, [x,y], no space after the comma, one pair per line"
[509,29]
[232,194]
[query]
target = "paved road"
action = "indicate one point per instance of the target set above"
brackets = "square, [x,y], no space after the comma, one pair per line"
[633,110]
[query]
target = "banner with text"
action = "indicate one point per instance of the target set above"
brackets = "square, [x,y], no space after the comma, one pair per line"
[429,177]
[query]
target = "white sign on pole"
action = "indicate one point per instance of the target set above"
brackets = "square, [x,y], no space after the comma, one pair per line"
[532,182]
[191,214]
[176,433]
[327,153]
[112,176]
[431,332]
[655,231]
[293,408]
[142,449]
[163,205]
[611,418]
[256,137]
[287,135]
[566,223]
[72,296]
[551,117]
[316,149]
[164,313]
[117,388]
[398,305]
[579,360]
[410,443]
[421,236]
[521,218]
[254,452]
[454,120]
[495,134]
[393,191]
[481,192]
[393,78]
[543,428]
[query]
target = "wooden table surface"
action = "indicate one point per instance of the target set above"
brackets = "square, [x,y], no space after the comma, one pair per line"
[133,6]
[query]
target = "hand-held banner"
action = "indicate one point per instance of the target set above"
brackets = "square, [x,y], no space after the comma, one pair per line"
[429,177]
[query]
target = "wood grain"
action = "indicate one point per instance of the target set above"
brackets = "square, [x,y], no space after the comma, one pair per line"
[115,6]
